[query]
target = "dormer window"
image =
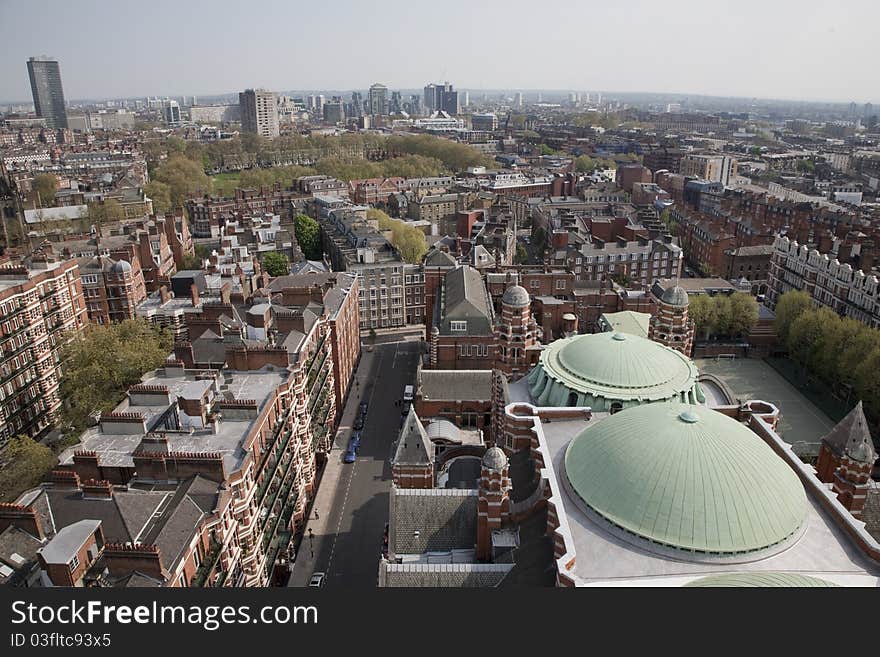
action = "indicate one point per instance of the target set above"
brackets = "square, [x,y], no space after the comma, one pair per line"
[458,326]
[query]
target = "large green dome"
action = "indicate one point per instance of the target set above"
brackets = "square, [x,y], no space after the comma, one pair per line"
[688,478]
[757,579]
[603,369]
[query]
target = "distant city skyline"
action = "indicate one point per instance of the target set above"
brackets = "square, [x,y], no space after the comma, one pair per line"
[750,50]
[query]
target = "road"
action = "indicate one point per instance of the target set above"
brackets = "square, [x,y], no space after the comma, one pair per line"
[353,509]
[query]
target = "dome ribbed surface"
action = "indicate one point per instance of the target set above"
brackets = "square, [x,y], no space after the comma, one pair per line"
[495,459]
[760,580]
[710,486]
[516,296]
[675,296]
[607,367]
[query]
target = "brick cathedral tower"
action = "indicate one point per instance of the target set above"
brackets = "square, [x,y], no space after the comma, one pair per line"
[671,325]
[516,333]
[846,459]
[494,503]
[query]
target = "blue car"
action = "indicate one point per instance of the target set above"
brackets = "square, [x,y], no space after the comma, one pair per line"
[350,456]
[355,442]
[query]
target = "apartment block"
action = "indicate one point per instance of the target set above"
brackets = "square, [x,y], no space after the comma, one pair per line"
[355,245]
[112,288]
[714,168]
[41,302]
[259,112]
[829,282]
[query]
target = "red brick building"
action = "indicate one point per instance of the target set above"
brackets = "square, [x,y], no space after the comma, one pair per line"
[41,305]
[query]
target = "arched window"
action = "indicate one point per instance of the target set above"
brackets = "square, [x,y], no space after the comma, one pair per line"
[615,407]
[572,399]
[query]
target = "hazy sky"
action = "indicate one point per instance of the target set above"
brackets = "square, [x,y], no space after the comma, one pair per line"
[768,48]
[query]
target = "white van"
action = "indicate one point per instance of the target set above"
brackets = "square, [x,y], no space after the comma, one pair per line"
[408,393]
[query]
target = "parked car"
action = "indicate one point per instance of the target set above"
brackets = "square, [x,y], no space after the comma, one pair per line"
[350,456]
[359,423]
[364,407]
[355,441]
[317,580]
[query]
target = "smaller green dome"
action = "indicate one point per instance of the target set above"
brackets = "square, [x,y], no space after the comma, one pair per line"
[604,370]
[686,477]
[760,580]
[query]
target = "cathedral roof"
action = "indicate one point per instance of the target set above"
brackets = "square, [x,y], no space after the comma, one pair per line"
[852,438]
[761,580]
[413,447]
[686,477]
[602,368]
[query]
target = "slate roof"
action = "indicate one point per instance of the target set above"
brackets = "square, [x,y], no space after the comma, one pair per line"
[413,446]
[18,551]
[129,515]
[438,385]
[438,258]
[851,436]
[445,519]
[452,575]
[68,541]
[464,298]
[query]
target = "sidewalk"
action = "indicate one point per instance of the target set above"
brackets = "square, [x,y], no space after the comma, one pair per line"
[304,565]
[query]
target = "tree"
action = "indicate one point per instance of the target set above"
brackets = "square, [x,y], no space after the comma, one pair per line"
[308,235]
[585,164]
[743,314]
[25,462]
[522,256]
[46,185]
[867,382]
[701,309]
[723,315]
[184,178]
[160,194]
[806,166]
[103,361]
[106,211]
[803,336]
[276,263]
[409,241]
[789,307]
[855,350]
[539,237]
[546,150]
[191,262]
[454,156]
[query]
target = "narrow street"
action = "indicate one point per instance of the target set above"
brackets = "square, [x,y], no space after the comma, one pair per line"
[352,500]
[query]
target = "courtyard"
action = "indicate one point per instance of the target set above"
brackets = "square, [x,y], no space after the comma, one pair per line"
[801,423]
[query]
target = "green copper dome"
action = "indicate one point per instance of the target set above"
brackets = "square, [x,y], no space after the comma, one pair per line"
[603,369]
[688,478]
[760,580]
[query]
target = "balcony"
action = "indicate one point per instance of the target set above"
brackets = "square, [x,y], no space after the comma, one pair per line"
[204,571]
[270,471]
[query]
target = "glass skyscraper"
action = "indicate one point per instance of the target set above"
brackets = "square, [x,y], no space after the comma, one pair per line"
[45,75]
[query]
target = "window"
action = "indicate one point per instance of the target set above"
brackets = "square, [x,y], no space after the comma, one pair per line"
[74,563]
[560,284]
[534,283]
[458,326]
